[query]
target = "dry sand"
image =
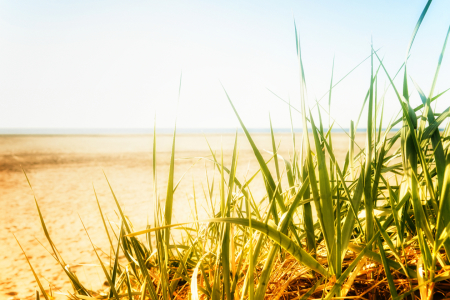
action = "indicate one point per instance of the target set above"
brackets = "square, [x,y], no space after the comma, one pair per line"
[62,170]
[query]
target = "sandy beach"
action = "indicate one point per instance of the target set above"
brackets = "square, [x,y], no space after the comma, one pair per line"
[62,171]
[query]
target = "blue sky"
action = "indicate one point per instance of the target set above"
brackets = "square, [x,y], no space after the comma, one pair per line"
[103,64]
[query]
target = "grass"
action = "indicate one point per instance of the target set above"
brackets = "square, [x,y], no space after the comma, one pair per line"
[380,227]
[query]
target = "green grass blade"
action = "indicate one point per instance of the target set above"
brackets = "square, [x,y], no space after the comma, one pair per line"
[416,29]
[267,269]
[436,142]
[346,273]
[441,56]
[368,200]
[116,261]
[264,168]
[281,239]
[352,150]
[105,271]
[387,271]
[251,276]
[444,210]
[326,202]
[79,288]
[169,195]
[103,218]
[349,223]
[309,160]
[41,287]
[338,234]
[419,107]
[345,76]
[274,149]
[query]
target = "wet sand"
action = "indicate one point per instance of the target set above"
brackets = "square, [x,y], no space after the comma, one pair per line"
[62,170]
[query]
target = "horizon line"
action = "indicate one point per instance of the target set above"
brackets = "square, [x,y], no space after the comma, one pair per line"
[163,130]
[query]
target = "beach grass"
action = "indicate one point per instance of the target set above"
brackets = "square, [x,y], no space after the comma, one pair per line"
[375,226]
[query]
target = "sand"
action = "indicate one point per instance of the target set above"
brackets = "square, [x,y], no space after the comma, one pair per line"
[62,170]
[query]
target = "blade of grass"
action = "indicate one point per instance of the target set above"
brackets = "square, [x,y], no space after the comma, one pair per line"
[34,273]
[387,271]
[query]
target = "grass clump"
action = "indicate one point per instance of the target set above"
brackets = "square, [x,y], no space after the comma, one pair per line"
[375,226]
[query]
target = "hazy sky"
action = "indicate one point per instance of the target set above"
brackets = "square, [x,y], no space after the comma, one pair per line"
[92,64]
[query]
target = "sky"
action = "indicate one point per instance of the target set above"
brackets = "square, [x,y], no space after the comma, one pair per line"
[118,64]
